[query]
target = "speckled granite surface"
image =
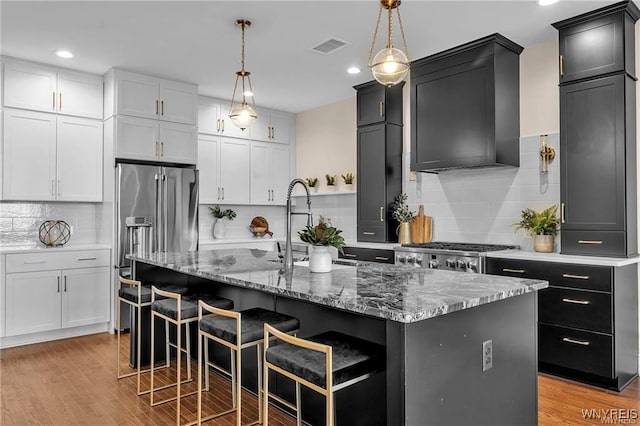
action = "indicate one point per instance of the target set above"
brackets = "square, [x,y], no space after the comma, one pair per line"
[399,294]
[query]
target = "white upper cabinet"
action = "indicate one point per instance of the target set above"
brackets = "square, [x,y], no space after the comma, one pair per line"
[47,89]
[29,155]
[153,140]
[49,157]
[270,175]
[224,170]
[272,126]
[213,119]
[143,96]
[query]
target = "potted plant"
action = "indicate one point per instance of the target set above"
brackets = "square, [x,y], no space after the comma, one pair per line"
[312,183]
[400,212]
[331,181]
[220,227]
[321,237]
[348,180]
[542,226]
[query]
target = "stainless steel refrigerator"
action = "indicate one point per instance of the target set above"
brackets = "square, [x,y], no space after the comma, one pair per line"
[167,197]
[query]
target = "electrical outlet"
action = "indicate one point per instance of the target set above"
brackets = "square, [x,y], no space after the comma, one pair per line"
[487,355]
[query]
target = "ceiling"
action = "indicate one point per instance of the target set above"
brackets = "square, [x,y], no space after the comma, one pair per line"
[197,41]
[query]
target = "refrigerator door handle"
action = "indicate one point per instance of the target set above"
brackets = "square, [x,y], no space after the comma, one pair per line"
[165,213]
[158,215]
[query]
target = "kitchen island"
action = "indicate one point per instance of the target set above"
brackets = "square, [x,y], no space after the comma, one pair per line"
[435,325]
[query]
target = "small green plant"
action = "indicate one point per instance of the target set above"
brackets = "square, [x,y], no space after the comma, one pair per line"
[400,209]
[331,179]
[348,178]
[539,223]
[218,213]
[312,182]
[323,234]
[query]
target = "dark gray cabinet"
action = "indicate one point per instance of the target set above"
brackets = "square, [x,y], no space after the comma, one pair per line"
[379,104]
[465,106]
[587,319]
[598,42]
[367,254]
[598,187]
[379,180]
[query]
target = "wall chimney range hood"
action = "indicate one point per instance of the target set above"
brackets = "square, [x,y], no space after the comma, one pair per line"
[465,107]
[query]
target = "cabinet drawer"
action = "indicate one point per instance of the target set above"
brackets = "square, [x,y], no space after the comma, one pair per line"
[368,254]
[597,278]
[28,262]
[371,233]
[586,310]
[595,243]
[518,268]
[580,350]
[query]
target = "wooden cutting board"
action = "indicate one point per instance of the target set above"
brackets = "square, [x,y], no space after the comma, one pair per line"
[420,227]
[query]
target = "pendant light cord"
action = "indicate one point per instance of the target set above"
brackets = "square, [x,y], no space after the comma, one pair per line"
[390,35]
[375,35]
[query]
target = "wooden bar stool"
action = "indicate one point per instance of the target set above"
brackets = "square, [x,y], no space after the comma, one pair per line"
[178,310]
[236,331]
[134,294]
[324,363]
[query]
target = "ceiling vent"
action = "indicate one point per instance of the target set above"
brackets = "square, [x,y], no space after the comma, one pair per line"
[329,46]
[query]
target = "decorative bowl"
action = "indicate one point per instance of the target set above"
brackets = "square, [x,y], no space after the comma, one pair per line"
[54,233]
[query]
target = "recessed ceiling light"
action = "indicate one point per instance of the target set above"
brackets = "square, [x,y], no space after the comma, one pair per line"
[353,70]
[546,2]
[64,54]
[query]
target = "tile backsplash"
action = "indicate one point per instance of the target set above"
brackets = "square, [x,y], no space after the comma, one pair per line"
[20,221]
[481,205]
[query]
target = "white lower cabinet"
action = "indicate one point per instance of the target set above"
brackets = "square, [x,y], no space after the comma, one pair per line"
[55,291]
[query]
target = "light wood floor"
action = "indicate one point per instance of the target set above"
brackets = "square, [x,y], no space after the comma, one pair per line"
[72,382]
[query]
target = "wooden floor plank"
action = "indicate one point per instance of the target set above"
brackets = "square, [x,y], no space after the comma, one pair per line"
[72,382]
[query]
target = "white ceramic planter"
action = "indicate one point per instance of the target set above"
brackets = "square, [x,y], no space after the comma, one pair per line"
[219,229]
[320,259]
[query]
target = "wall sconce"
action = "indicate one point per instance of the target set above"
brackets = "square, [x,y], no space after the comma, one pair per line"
[547,154]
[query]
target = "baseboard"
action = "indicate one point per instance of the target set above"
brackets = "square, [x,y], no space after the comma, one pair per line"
[46,336]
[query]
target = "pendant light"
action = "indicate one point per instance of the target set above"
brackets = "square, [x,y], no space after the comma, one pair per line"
[242,114]
[390,65]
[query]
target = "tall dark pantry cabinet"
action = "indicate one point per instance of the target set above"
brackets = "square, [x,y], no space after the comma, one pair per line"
[379,171]
[598,181]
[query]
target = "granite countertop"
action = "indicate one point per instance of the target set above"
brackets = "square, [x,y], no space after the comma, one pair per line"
[564,258]
[374,289]
[41,248]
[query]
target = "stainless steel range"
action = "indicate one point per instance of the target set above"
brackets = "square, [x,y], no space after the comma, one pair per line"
[466,257]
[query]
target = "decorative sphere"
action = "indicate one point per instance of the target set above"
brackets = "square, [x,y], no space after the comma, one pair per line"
[390,66]
[243,116]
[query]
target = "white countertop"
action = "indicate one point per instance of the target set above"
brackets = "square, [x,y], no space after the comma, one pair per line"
[40,248]
[238,240]
[564,258]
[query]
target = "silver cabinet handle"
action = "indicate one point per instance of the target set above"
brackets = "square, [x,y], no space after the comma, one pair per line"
[574,341]
[60,102]
[223,193]
[35,262]
[268,195]
[561,65]
[218,125]
[218,193]
[381,109]
[576,302]
[156,107]
[350,255]
[562,213]
[161,107]
[577,277]
[514,271]
[65,283]
[222,125]
[595,242]
[161,149]
[381,258]
[368,233]
[58,284]
[381,214]
[80,259]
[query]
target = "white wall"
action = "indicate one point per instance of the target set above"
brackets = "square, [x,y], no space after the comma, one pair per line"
[239,227]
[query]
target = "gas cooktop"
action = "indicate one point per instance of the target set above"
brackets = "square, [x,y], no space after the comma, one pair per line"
[466,247]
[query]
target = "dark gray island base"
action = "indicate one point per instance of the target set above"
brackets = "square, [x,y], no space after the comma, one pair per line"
[432,323]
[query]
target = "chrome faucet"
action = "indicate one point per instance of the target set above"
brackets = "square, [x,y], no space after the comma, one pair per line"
[288,253]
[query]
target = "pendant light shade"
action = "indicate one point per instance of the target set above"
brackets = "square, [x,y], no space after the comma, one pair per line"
[242,114]
[390,65]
